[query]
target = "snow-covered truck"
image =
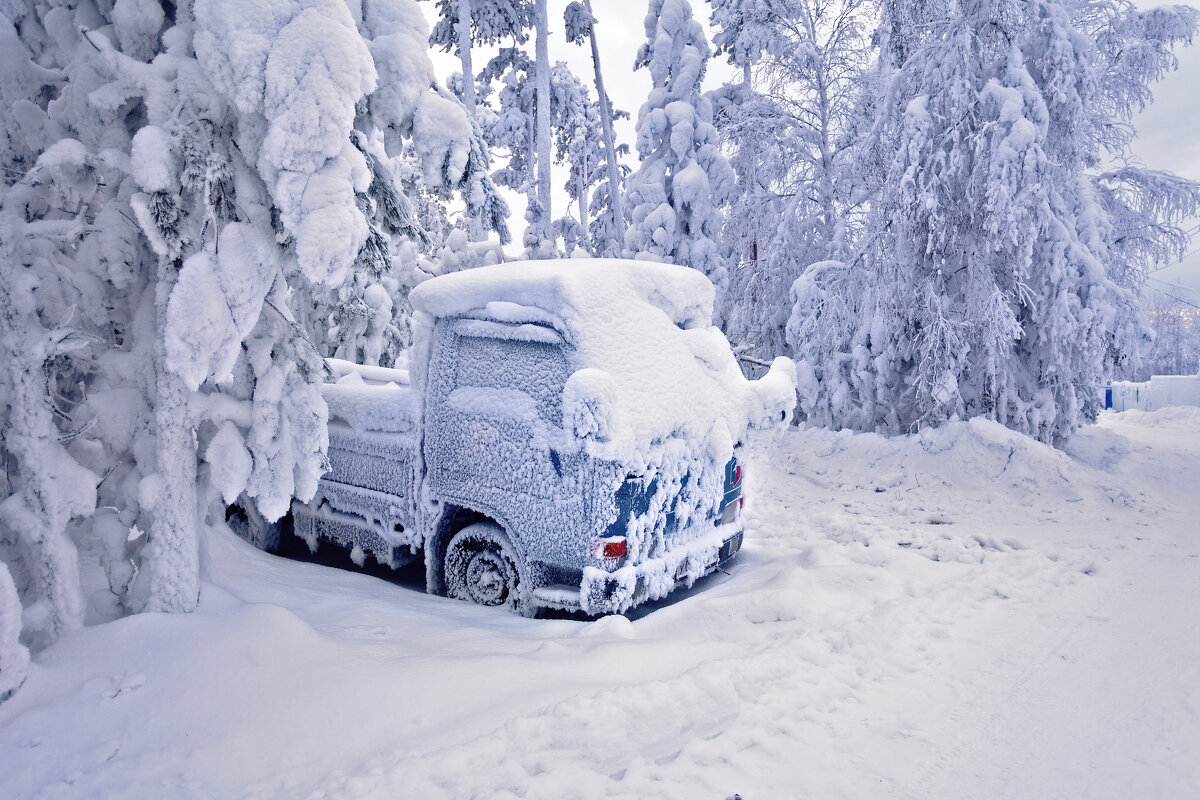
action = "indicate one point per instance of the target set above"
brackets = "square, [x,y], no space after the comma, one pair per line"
[565,436]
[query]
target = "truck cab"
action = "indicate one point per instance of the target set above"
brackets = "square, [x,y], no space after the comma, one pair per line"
[566,436]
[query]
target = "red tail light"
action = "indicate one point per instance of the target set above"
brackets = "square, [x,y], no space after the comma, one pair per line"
[737,474]
[610,548]
[741,502]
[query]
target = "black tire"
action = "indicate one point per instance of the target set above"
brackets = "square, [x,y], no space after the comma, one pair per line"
[243,519]
[481,567]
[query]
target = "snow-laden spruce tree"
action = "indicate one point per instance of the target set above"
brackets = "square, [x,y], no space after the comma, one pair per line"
[790,126]
[14,656]
[511,128]
[984,285]
[186,194]
[683,178]
[54,306]
[47,488]
[747,29]
[575,118]
[608,228]
[461,26]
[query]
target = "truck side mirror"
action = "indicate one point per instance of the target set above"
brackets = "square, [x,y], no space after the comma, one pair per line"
[589,402]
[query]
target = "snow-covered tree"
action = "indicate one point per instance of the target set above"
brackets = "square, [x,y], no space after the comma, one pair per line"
[512,128]
[1176,325]
[791,126]
[52,218]
[14,656]
[462,25]
[683,177]
[609,236]
[540,236]
[195,202]
[745,30]
[982,286]
[575,116]
[47,487]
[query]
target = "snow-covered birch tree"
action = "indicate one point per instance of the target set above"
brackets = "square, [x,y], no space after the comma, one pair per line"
[791,126]
[984,285]
[540,236]
[683,177]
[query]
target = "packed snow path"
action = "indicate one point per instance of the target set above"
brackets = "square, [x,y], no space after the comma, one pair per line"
[961,614]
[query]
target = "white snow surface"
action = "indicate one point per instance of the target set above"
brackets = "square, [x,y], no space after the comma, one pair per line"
[371,398]
[961,614]
[648,328]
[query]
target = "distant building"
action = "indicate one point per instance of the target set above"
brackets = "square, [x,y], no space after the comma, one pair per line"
[1158,392]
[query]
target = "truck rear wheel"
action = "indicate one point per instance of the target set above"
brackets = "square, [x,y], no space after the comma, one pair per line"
[243,519]
[481,567]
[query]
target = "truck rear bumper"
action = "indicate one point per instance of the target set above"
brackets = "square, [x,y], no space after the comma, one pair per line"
[603,592]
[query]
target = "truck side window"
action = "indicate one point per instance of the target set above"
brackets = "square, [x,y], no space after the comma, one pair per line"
[536,368]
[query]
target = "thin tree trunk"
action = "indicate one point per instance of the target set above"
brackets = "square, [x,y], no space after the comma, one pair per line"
[542,137]
[581,195]
[463,30]
[616,196]
[828,209]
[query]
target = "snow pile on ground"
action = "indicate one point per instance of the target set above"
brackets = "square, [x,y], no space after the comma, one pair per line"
[957,614]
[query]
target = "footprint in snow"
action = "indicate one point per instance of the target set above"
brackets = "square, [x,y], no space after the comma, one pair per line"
[116,685]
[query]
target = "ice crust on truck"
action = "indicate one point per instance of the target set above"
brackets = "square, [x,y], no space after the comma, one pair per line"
[565,435]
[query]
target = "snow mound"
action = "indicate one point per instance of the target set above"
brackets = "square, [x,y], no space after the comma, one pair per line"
[653,366]
[978,455]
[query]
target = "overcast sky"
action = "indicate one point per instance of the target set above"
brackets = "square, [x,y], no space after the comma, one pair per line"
[1168,132]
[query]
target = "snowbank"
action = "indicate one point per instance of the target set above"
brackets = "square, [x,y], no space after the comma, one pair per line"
[652,366]
[957,614]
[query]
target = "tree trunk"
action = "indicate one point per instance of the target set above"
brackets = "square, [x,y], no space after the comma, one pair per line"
[542,135]
[581,182]
[615,190]
[172,554]
[463,30]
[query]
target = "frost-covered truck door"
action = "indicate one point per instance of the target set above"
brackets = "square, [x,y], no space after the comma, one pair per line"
[494,440]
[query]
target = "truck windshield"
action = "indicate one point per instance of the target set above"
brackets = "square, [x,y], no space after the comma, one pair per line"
[535,368]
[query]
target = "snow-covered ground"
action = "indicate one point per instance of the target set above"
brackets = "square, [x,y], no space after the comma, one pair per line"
[960,614]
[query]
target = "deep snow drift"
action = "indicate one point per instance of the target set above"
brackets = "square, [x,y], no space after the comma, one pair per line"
[960,614]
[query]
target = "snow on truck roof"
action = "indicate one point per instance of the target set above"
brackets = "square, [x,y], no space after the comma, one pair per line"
[652,364]
[558,287]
